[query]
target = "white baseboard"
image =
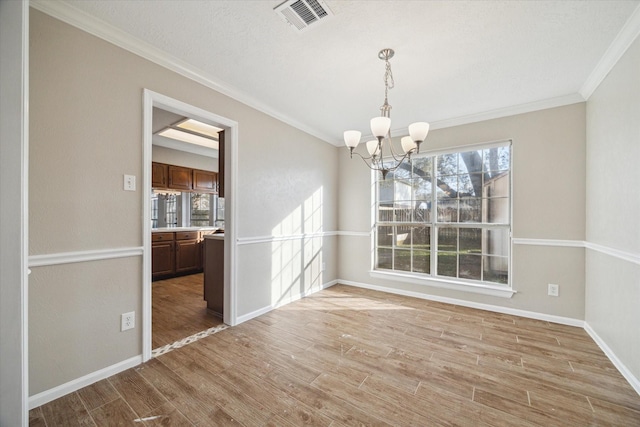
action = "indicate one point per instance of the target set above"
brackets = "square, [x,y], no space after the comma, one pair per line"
[286,301]
[489,307]
[74,385]
[626,373]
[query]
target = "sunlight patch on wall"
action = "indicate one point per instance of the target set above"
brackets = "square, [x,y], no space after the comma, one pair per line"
[296,258]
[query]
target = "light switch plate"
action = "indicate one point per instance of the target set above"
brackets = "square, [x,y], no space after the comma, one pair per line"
[130,183]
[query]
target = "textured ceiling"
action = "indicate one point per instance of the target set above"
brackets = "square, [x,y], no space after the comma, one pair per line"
[453,58]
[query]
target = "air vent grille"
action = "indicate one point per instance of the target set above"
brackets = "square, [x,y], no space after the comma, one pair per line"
[303,14]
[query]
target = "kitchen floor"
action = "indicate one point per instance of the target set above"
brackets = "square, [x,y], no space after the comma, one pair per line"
[179,310]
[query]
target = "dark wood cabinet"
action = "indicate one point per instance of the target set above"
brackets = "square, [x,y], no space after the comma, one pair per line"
[188,248]
[214,275]
[159,172]
[180,178]
[162,255]
[173,177]
[205,181]
[175,254]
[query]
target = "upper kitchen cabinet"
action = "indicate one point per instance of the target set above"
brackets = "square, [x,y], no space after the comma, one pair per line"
[159,173]
[180,178]
[205,181]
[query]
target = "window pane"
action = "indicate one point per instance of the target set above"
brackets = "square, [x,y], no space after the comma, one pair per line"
[385,235]
[201,212]
[471,210]
[470,240]
[403,236]
[421,189]
[470,267]
[447,164]
[402,260]
[447,239]
[496,185]
[385,191]
[385,212]
[422,237]
[422,167]
[384,258]
[421,261]
[403,211]
[470,162]
[496,210]
[495,269]
[448,210]
[496,242]
[447,186]
[496,159]
[447,264]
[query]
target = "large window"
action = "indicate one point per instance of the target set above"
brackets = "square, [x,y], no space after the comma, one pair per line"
[447,215]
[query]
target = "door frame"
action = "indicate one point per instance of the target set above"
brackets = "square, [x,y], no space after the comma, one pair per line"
[153,99]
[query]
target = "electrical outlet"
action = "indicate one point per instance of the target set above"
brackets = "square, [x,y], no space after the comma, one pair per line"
[130,183]
[127,321]
[554,290]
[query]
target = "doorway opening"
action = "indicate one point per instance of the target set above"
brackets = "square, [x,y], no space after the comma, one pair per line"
[185,211]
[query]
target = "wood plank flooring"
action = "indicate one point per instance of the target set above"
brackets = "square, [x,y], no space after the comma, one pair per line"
[348,356]
[179,310]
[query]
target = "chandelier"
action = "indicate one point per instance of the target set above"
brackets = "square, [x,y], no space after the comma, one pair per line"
[381,130]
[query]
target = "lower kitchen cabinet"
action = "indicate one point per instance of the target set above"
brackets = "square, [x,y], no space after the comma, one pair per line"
[175,254]
[214,275]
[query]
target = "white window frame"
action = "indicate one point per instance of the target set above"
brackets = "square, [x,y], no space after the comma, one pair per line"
[467,285]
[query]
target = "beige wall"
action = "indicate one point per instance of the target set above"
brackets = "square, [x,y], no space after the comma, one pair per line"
[613,210]
[86,132]
[548,203]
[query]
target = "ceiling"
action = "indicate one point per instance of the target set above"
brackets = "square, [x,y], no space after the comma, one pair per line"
[454,59]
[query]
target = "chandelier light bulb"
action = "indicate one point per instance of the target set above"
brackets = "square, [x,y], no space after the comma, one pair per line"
[418,131]
[408,144]
[373,148]
[352,138]
[380,126]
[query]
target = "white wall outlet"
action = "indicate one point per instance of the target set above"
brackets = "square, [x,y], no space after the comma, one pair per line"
[554,290]
[127,321]
[130,183]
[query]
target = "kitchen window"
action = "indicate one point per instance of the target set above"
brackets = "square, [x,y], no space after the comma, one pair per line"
[184,209]
[447,216]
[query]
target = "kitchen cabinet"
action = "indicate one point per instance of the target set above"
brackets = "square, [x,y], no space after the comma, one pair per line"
[173,177]
[205,181]
[162,255]
[180,178]
[214,274]
[188,247]
[159,172]
[176,253]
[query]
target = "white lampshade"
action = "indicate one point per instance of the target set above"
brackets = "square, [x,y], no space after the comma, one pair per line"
[380,126]
[408,144]
[352,138]
[419,131]
[372,148]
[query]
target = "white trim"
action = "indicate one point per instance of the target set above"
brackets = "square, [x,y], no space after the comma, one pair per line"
[617,48]
[437,282]
[83,256]
[529,107]
[263,310]
[626,373]
[354,233]
[623,255]
[269,239]
[74,385]
[549,242]
[92,25]
[489,307]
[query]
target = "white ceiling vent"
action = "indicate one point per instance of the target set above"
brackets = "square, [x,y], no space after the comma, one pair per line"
[303,14]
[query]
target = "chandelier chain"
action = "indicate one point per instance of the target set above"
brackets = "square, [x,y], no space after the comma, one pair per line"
[388,76]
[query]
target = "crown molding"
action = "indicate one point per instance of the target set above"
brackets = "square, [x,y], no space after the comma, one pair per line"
[529,107]
[617,48]
[94,26]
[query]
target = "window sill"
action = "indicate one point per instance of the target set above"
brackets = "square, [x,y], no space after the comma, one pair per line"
[492,290]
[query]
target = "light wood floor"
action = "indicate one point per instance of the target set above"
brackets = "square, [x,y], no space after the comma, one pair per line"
[348,356]
[179,310]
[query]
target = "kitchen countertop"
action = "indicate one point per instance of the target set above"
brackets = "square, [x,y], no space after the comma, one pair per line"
[171,229]
[216,236]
